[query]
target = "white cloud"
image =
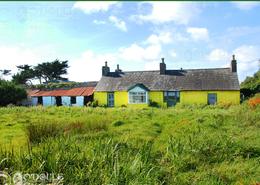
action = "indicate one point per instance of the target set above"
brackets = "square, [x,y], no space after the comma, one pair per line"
[164,37]
[118,23]
[88,66]
[173,54]
[246,5]
[19,55]
[198,34]
[138,53]
[178,12]
[247,57]
[247,52]
[153,65]
[99,22]
[89,7]
[218,55]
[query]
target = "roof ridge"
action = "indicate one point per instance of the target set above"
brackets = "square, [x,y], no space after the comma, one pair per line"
[178,70]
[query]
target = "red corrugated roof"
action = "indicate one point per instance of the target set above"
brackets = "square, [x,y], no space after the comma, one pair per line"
[88,91]
[31,92]
[78,91]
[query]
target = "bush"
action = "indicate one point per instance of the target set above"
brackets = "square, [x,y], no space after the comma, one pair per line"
[118,123]
[153,104]
[11,93]
[93,103]
[253,102]
[37,132]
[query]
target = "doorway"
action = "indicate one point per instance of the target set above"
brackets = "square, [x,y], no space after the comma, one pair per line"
[58,100]
[110,99]
[39,100]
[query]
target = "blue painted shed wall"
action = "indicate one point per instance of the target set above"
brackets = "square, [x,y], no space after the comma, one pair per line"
[65,100]
[79,101]
[48,100]
[34,101]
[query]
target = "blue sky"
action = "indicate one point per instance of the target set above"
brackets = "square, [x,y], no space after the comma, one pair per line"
[135,35]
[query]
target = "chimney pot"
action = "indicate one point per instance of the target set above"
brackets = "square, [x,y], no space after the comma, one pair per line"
[162,60]
[162,67]
[233,66]
[105,69]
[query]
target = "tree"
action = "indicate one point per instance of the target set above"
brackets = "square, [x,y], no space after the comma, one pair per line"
[51,71]
[47,71]
[26,74]
[4,72]
[251,85]
[11,93]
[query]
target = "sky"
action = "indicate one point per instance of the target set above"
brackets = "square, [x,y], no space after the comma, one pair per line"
[135,35]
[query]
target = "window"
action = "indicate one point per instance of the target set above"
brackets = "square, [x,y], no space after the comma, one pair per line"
[137,97]
[212,98]
[73,100]
[171,97]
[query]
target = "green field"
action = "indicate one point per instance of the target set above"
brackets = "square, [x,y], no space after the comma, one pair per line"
[182,145]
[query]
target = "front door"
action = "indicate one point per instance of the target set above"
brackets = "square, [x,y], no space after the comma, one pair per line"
[110,99]
[212,98]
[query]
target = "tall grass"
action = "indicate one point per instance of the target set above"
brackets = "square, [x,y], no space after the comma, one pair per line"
[203,145]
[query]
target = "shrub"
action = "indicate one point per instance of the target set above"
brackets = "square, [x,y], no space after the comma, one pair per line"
[93,103]
[118,123]
[11,93]
[36,132]
[153,104]
[253,102]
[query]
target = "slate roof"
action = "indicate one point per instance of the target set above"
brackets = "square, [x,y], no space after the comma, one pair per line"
[190,79]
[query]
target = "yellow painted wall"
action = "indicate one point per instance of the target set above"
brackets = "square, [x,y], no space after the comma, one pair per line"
[186,97]
[121,98]
[201,97]
[157,96]
[101,97]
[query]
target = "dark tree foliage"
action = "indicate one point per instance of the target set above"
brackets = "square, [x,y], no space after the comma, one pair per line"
[11,93]
[52,71]
[251,85]
[47,71]
[5,72]
[26,74]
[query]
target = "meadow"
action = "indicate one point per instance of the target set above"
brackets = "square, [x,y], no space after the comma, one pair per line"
[180,145]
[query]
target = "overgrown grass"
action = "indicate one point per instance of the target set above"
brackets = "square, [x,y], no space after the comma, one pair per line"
[183,145]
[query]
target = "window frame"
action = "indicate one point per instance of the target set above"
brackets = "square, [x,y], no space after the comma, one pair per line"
[140,92]
[176,95]
[216,95]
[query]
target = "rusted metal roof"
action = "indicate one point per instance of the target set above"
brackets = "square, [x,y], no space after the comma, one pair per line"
[88,91]
[78,91]
[31,92]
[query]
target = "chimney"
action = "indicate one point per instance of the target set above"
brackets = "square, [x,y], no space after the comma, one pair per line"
[162,67]
[105,70]
[233,66]
[118,69]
